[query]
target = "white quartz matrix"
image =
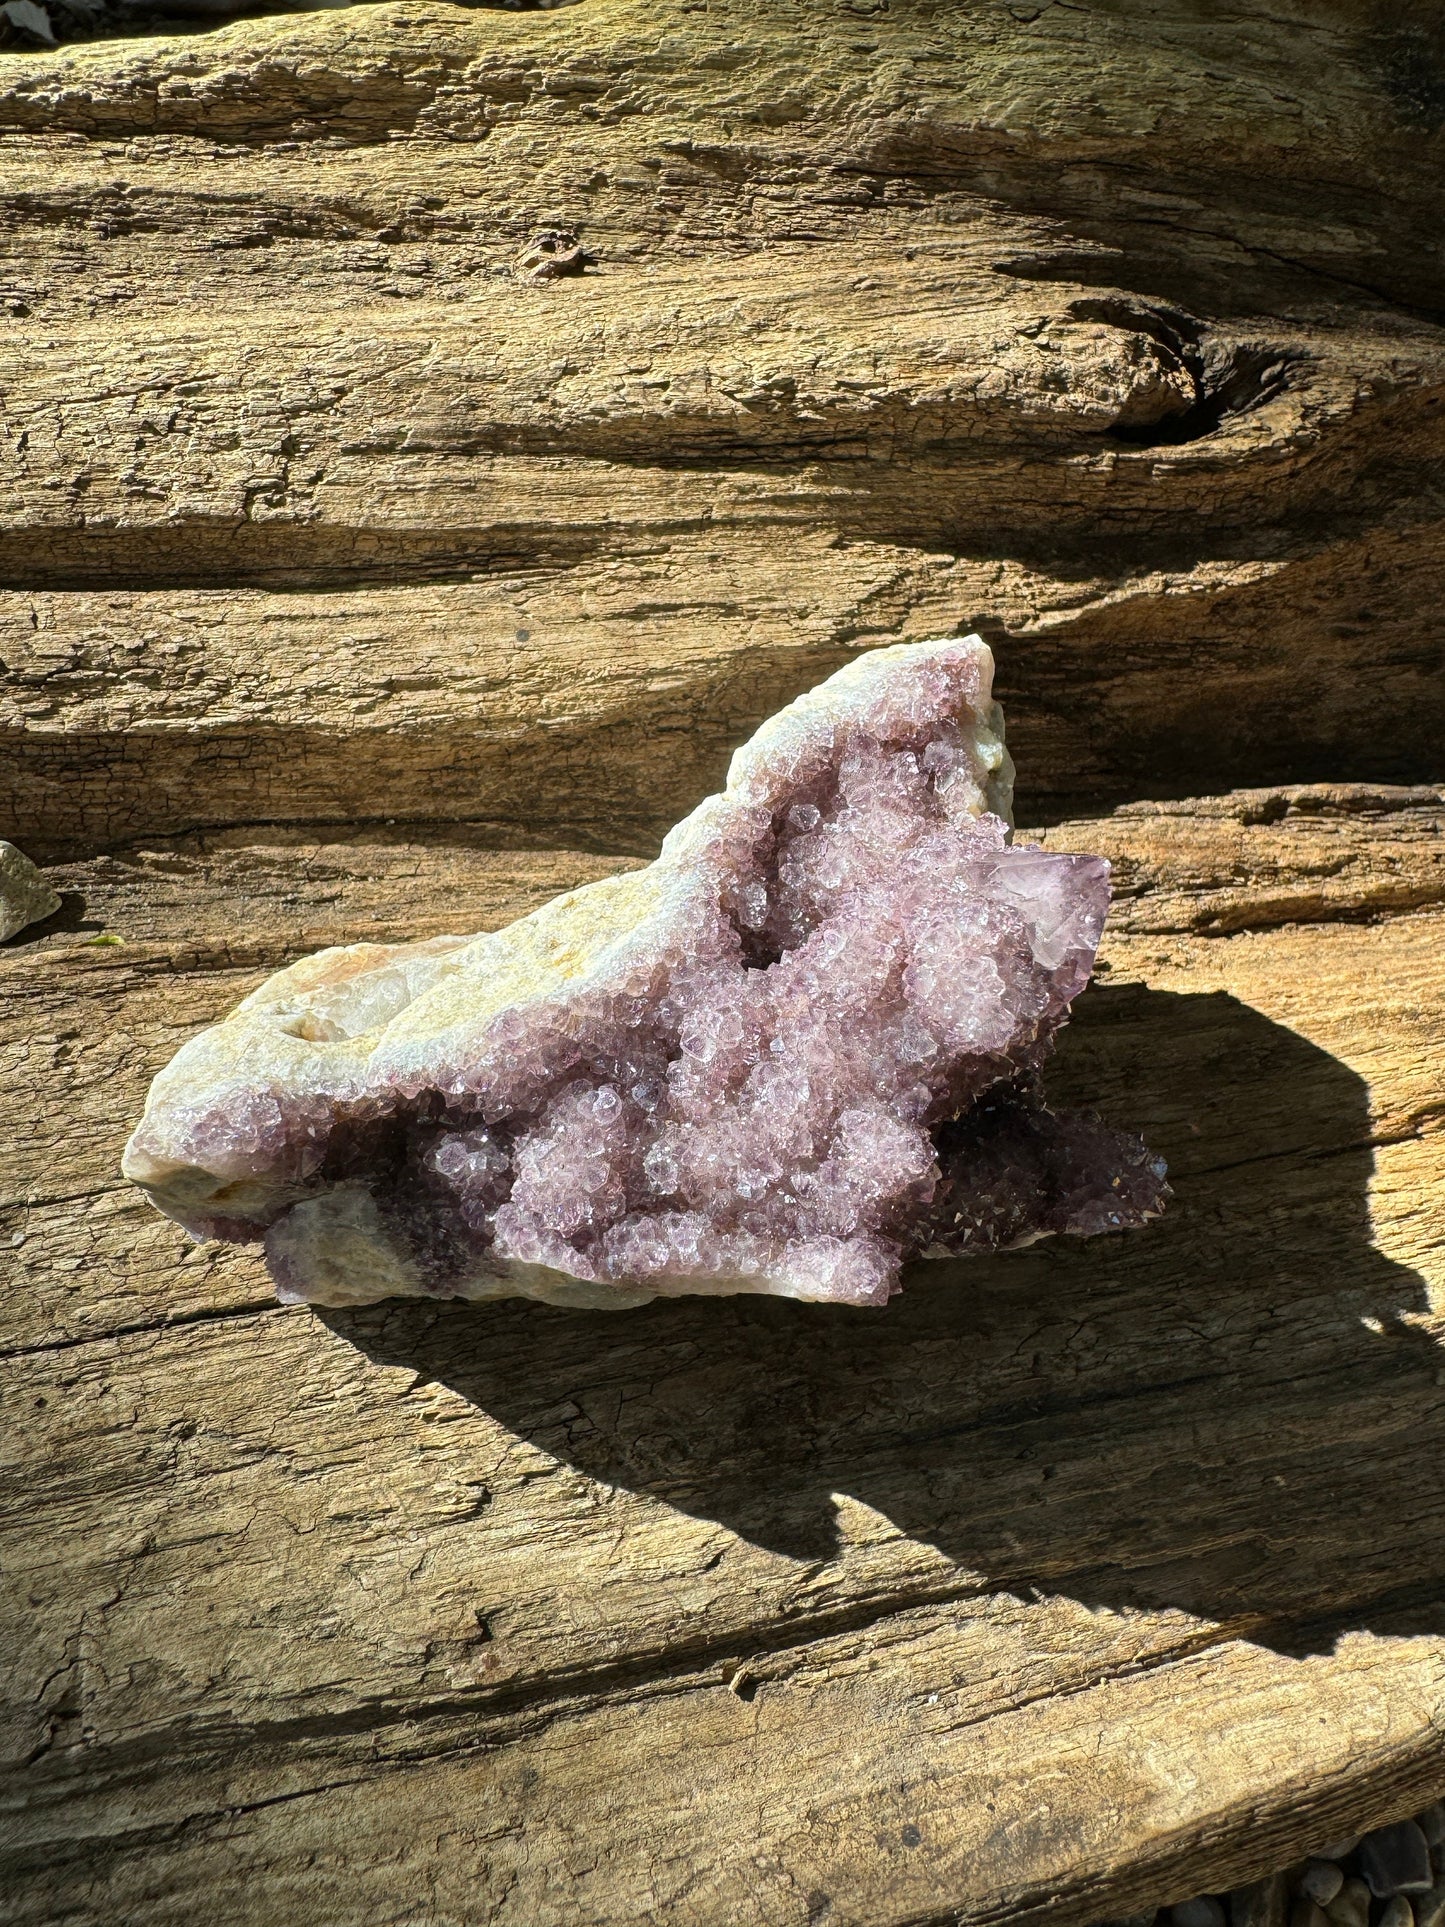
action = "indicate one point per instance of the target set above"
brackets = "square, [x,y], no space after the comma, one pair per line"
[799,1048]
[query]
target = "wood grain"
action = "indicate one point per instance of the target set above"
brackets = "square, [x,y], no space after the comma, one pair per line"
[1112,333]
[352,587]
[284,1584]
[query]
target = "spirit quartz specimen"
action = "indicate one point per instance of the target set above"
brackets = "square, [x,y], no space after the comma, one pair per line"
[798,1049]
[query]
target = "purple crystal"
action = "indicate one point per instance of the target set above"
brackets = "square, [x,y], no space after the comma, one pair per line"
[811,1052]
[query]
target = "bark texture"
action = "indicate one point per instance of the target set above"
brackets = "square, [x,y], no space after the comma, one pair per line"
[356,587]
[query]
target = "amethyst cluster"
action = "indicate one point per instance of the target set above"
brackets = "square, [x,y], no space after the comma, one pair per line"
[800,1048]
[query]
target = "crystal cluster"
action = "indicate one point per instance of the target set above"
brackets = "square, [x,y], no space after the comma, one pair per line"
[799,1048]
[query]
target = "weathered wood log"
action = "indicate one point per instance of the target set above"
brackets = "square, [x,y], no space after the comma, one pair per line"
[355,586]
[1146,1533]
[1113,334]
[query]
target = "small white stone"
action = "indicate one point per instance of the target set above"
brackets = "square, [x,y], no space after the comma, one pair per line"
[29,18]
[25,896]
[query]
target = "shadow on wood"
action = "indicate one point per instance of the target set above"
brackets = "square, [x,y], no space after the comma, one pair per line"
[1229,1413]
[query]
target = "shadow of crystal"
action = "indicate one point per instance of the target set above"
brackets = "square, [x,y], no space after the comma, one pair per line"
[1194,1416]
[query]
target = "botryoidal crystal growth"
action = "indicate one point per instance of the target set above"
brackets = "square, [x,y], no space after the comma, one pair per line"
[800,1048]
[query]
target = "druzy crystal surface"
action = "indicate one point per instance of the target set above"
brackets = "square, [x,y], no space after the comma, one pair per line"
[799,1048]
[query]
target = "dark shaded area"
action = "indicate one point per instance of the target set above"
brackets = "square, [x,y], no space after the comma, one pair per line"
[73,913]
[1197,1415]
[281,556]
[1247,378]
[1406,53]
[1228,380]
[1012,1170]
